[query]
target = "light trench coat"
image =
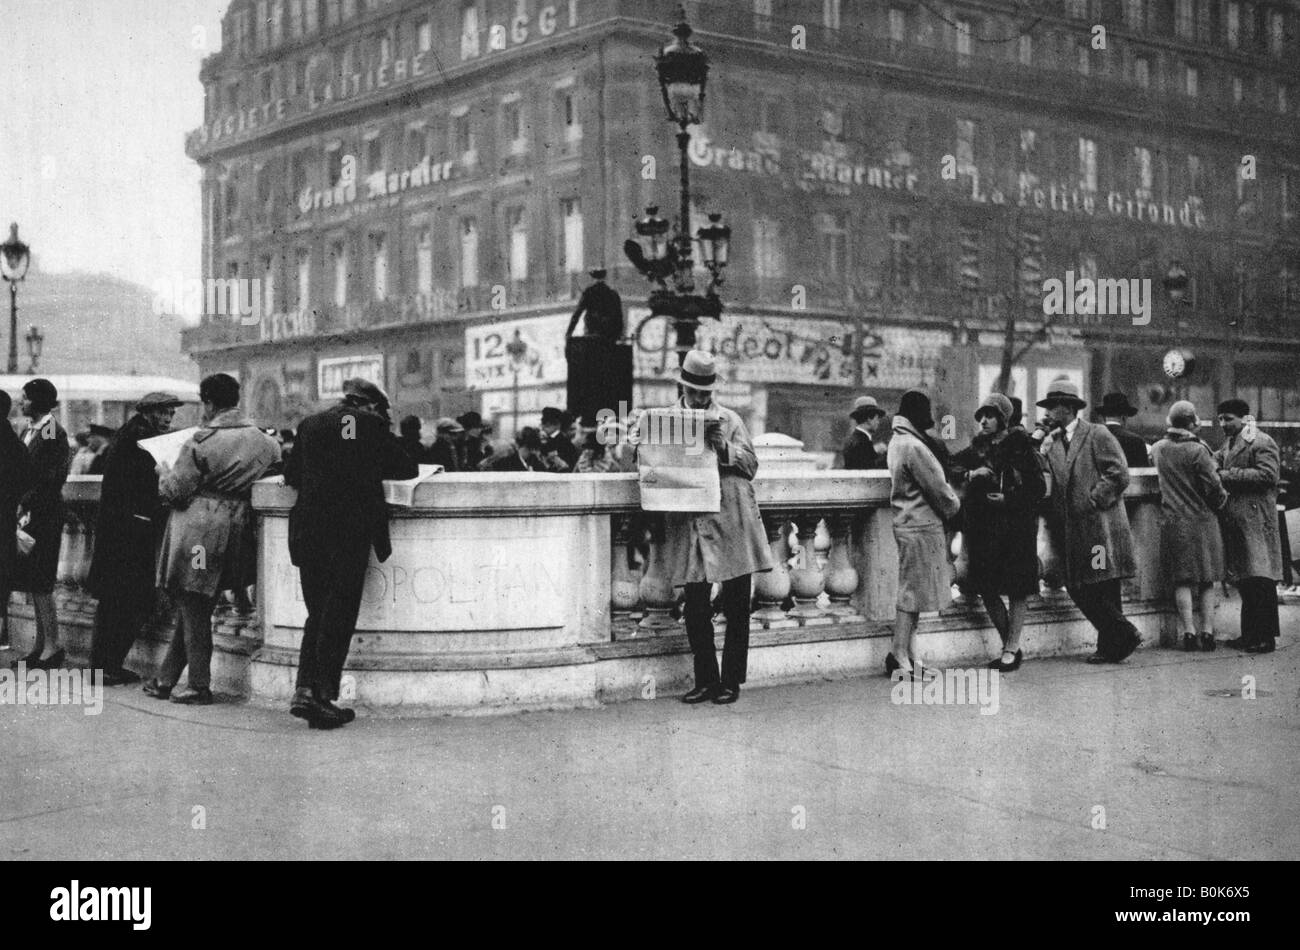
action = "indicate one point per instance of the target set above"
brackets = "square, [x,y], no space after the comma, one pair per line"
[718,546]
[1088,522]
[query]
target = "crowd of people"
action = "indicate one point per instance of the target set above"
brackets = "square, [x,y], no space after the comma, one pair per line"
[1218,516]
[187,528]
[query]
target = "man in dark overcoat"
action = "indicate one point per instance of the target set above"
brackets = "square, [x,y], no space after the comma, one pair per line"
[1249,465]
[860,450]
[339,464]
[15,479]
[130,526]
[1114,410]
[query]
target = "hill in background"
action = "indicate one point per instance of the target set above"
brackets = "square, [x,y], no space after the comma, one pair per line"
[95,323]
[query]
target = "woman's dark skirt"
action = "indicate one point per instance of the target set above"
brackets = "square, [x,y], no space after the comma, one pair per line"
[36,572]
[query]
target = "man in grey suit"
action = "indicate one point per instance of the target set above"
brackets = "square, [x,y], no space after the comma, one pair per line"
[1088,521]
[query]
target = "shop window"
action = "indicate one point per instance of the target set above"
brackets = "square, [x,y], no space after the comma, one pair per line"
[468,252]
[571,218]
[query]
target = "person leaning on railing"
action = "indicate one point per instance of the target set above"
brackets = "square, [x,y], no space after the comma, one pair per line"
[205,547]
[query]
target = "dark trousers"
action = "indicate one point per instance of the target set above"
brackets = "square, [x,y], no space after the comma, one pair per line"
[1259,621]
[118,621]
[332,581]
[1102,604]
[191,643]
[699,629]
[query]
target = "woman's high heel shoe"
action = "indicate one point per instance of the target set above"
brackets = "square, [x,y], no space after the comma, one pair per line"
[1008,667]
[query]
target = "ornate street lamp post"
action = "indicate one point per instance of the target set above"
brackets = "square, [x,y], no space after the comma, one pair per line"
[14,258]
[517,350]
[683,70]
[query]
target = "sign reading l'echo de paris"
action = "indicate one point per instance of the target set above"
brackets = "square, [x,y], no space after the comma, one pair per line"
[447,575]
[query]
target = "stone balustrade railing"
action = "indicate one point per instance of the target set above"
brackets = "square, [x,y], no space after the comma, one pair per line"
[538,590]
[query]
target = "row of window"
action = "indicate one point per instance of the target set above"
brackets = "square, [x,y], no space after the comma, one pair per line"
[349,262]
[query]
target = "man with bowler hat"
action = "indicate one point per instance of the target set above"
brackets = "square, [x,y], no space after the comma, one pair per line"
[131,521]
[339,464]
[1114,410]
[1249,466]
[1088,520]
[859,449]
[726,547]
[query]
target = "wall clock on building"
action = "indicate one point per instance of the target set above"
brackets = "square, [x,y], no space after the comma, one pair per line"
[1178,363]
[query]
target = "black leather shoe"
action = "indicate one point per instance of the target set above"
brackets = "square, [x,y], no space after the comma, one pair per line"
[52,662]
[700,694]
[1189,643]
[30,659]
[727,695]
[1097,658]
[191,697]
[1265,647]
[1207,643]
[1008,667]
[305,705]
[347,715]
[156,689]
[1237,643]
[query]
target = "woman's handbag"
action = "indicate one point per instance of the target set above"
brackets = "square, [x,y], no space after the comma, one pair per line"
[25,541]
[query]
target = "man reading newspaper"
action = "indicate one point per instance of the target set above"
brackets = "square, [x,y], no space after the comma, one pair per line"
[724,546]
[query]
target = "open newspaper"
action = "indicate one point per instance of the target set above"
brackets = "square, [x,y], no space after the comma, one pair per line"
[167,448]
[402,493]
[678,469]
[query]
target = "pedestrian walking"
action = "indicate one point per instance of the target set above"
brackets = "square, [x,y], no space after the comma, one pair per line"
[1249,463]
[1088,520]
[15,480]
[1192,546]
[127,536]
[1114,410]
[41,514]
[1004,488]
[922,501]
[860,450]
[206,546]
[725,547]
[342,457]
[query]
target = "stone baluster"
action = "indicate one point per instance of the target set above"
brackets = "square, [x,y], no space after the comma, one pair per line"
[624,584]
[876,555]
[807,580]
[841,575]
[773,587]
[657,593]
[822,544]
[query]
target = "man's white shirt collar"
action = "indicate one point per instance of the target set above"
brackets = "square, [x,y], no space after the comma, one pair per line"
[1069,429]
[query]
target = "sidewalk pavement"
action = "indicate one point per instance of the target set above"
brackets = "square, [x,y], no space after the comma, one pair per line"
[1182,765]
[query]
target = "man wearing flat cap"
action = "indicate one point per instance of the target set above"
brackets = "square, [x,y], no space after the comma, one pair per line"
[339,464]
[1114,409]
[860,449]
[1250,468]
[726,547]
[1087,518]
[127,535]
[444,452]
